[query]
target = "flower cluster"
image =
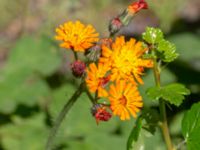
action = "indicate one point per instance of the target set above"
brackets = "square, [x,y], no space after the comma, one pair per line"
[114,67]
[117,75]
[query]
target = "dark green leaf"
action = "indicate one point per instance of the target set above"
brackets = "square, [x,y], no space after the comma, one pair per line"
[146,139]
[25,134]
[191,127]
[152,35]
[173,93]
[151,116]
[18,86]
[187,45]
[133,137]
[168,51]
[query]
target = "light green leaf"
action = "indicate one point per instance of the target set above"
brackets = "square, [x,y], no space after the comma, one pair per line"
[173,93]
[191,127]
[133,137]
[152,35]
[24,134]
[167,50]
[19,86]
[38,55]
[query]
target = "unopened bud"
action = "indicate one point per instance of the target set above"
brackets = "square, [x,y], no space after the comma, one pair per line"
[94,52]
[124,18]
[137,6]
[100,113]
[78,68]
[115,25]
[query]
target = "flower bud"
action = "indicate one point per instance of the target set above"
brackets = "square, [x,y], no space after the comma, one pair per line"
[94,53]
[137,6]
[115,25]
[100,113]
[78,68]
[126,16]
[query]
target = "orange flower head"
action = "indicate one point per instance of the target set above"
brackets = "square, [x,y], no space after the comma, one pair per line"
[137,6]
[97,80]
[125,100]
[125,60]
[76,36]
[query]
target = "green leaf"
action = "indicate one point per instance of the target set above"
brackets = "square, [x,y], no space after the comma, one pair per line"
[133,137]
[152,35]
[191,127]
[151,117]
[173,93]
[175,123]
[167,50]
[166,78]
[146,139]
[25,134]
[38,55]
[189,52]
[19,86]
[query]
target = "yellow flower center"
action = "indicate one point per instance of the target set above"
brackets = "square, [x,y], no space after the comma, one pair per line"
[124,61]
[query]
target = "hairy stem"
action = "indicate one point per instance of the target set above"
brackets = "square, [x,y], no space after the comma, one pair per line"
[75,55]
[90,96]
[62,115]
[163,115]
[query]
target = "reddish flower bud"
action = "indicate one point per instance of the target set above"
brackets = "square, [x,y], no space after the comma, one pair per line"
[137,6]
[100,113]
[115,25]
[93,53]
[78,68]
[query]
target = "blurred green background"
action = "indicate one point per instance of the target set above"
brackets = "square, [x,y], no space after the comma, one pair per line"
[35,77]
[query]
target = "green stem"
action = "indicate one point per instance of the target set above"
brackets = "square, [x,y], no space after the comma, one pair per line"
[62,115]
[90,96]
[163,115]
[75,55]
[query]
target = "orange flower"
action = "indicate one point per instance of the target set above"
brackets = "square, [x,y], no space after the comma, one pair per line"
[125,100]
[96,79]
[125,60]
[137,6]
[76,36]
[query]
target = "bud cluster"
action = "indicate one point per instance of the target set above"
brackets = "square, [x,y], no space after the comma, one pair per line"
[126,16]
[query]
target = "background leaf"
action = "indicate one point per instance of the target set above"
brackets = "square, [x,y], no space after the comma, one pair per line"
[25,132]
[191,127]
[21,87]
[37,55]
[133,137]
